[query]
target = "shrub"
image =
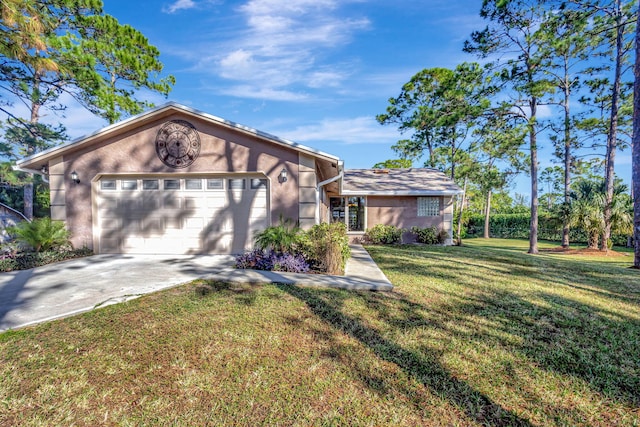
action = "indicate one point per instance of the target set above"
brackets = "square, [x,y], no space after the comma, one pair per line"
[289,263]
[272,261]
[41,234]
[326,247]
[251,259]
[382,234]
[27,260]
[430,235]
[427,235]
[281,238]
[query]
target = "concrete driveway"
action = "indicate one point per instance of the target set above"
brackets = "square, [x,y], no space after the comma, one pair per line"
[70,287]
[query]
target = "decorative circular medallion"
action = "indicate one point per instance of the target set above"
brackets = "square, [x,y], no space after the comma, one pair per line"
[178,144]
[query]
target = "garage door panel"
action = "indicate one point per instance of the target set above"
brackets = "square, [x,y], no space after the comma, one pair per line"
[172,202]
[153,225]
[201,219]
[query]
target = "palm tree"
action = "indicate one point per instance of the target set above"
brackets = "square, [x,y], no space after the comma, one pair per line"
[586,212]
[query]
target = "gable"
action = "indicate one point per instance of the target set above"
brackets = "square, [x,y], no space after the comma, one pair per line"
[145,124]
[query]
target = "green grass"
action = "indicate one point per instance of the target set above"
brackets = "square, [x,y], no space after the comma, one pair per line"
[483,334]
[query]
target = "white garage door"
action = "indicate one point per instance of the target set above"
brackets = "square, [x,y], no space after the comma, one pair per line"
[186,215]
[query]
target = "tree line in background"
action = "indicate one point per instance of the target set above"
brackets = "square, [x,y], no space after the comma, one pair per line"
[482,122]
[55,50]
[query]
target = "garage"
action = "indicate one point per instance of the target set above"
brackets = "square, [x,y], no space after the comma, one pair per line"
[179,214]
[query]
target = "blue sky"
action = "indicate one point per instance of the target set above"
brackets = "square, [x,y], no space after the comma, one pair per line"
[313,71]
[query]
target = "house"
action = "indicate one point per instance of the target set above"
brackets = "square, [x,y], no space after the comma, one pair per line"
[179,181]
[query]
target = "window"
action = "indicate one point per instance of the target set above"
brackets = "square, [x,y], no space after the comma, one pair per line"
[215,184]
[353,207]
[150,184]
[258,183]
[129,184]
[171,184]
[428,206]
[193,184]
[108,184]
[236,184]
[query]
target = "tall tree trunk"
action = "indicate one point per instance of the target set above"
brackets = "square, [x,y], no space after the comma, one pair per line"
[635,176]
[487,213]
[464,193]
[612,137]
[533,144]
[567,157]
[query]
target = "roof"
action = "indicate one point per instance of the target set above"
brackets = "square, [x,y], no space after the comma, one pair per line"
[398,182]
[164,109]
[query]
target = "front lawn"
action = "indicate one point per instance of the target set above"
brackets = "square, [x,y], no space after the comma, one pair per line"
[482,334]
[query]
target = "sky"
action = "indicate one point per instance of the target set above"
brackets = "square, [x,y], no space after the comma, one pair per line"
[316,72]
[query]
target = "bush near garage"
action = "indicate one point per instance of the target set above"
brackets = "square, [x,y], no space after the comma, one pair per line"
[36,243]
[326,247]
[41,234]
[272,261]
[323,249]
[381,234]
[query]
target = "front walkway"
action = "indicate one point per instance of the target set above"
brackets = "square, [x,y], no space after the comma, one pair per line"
[70,287]
[361,274]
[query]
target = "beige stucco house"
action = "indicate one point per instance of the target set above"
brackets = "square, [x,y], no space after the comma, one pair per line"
[175,180]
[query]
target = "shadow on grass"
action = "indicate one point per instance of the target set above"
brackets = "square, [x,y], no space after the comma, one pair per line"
[571,318]
[419,365]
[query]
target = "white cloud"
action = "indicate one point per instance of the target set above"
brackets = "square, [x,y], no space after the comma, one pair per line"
[284,45]
[358,130]
[254,92]
[179,5]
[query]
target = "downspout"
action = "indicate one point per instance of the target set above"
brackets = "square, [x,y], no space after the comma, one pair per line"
[322,184]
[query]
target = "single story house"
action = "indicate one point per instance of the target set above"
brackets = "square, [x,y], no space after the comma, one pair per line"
[175,180]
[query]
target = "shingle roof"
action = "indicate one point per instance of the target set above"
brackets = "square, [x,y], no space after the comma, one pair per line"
[398,182]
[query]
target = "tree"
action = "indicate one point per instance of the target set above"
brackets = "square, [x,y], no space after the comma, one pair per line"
[512,33]
[587,209]
[122,62]
[440,106]
[566,46]
[614,19]
[496,156]
[636,152]
[394,164]
[78,50]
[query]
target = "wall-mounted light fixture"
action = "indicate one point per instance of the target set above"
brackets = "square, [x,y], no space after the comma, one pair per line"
[74,177]
[44,170]
[283,175]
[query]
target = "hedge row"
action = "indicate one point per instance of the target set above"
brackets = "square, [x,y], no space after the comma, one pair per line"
[516,226]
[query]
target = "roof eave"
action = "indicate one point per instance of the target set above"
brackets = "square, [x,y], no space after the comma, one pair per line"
[400,193]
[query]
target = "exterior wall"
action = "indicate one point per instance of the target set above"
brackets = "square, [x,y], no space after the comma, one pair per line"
[222,151]
[402,211]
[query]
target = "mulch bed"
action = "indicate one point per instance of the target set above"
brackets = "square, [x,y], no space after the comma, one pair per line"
[584,251]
